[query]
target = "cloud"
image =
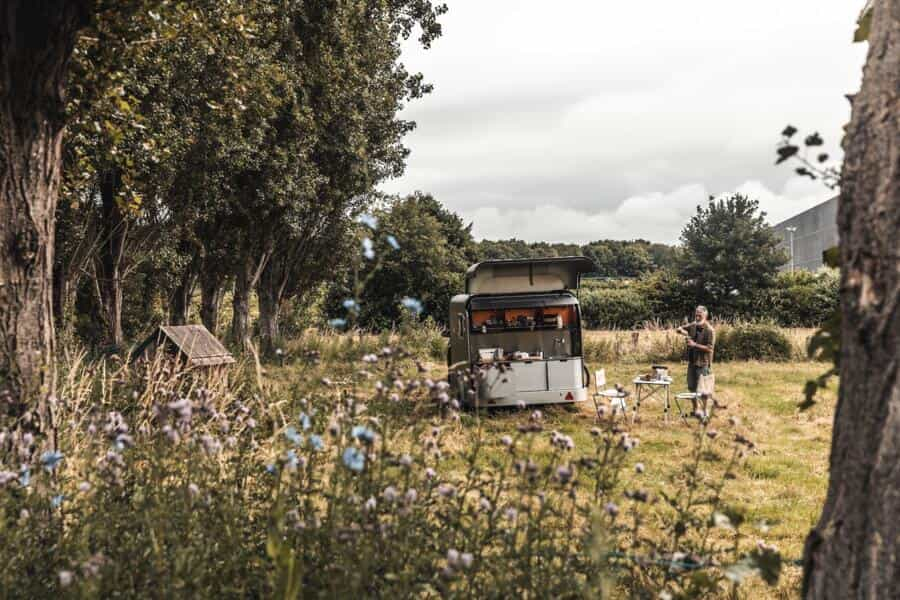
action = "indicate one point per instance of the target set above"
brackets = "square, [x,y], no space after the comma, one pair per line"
[657,216]
[608,112]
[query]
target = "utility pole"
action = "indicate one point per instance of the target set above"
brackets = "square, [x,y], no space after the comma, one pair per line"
[791,230]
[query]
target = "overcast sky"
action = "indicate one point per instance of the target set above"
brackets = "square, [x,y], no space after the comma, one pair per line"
[578,120]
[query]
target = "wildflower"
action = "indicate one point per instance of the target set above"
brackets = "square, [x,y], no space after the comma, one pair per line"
[370,358]
[430,473]
[720,520]
[305,422]
[452,557]
[65,578]
[564,473]
[411,495]
[406,460]
[57,500]
[712,434]
[369,220]
[24,476]
[316,443]
[485,504]
[51,459]
[466,559]
[354,459]
[536,415]
[446,490]
[595,431]
[639,467]
[611,509]
[84,486]
[506,441]
[291,434]
[370,504]
[392,242]
[271,469]
[351,305]
[394,397]
[337,323]
[510,513]
[279,352]
[251,423]
[389,494]
[412,304]
[368,248]
[193,490]
[364,434]
[290,460]
[211,445]
[6,477]
[429,383]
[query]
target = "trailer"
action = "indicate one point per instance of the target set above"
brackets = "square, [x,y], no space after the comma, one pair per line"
[519,325]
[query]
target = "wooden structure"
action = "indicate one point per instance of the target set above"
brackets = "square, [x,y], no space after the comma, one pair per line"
[193,344]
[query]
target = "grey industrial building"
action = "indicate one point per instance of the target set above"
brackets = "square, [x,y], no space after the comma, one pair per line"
[815,231]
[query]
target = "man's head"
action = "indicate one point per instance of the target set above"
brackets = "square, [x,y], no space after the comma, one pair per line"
[701,314]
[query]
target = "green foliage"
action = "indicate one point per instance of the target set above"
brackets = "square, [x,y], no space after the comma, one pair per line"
[609,308]
[802,299]
[730,255]
[753,341]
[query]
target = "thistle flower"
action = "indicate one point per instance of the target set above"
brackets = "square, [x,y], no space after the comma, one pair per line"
[354,459]
[484,504]
[520,405]
[394,397]
[446,490]
[370,505]
[6,477]
[370,358]
[430,473]
[411,496]
[406,460]
[564,473]
[510,513]
[193,490]
[316,443]
[466,559]
[506,441]
[452,557]
[537,415]
[84,486]
[639,467]
[611,509]
[389,494]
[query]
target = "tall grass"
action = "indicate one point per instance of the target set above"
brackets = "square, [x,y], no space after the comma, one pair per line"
[340,481]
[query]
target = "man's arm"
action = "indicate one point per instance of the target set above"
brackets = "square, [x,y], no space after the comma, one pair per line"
[708,347]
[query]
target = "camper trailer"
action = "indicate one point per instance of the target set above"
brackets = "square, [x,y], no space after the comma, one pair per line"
[520,324]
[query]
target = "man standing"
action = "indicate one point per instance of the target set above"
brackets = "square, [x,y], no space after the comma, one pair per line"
[701,340]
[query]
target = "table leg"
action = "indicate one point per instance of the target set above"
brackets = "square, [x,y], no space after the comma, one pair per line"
[666,406]
[637,402]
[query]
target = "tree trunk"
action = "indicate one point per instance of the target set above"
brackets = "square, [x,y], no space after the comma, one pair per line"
[269,313]
[240,318]
[184,292]
[854,550]
[35,48]
[210,298]
[115,227]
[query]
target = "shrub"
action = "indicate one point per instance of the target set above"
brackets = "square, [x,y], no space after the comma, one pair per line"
[804,299]
[614,308]
[753,341]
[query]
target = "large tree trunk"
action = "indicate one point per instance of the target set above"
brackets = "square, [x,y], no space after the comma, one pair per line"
[36,43]
[184,292]
[269,309]
[115,228]
[240,303]
[854,551]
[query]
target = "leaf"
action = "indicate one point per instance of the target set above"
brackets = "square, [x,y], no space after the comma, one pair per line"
[813,139]
[785,152]
[789,131]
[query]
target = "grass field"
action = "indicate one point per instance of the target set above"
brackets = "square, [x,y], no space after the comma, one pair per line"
[782,484]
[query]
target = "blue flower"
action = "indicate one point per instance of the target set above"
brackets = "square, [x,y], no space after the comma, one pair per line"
[392,242]
[24,476]
[291,434]
[351,305]
[363,434]
[304,421]
[412,304]
[368,220]
[354,459]
[51,459]
[290,459]
[57,500]
[315,441]
[337,323]
[368,248]
[271,469]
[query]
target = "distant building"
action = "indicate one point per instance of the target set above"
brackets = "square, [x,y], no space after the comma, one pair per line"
[816,231]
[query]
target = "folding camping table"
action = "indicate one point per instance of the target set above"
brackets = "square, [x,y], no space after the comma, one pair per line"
[647,388]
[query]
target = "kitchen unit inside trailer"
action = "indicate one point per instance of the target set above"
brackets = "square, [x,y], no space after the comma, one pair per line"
[519,323]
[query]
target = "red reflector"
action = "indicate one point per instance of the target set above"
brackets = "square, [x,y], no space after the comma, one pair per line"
[569,396]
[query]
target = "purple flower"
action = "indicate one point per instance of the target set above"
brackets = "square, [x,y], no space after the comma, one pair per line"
[354,459]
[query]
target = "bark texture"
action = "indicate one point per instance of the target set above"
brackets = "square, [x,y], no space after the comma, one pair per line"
[36,42]
[854,551]
[109,269]
[211,291]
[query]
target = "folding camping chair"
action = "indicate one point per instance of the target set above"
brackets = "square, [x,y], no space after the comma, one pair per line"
[616,397]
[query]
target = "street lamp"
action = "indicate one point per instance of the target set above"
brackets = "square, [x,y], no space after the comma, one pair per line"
[791,230]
